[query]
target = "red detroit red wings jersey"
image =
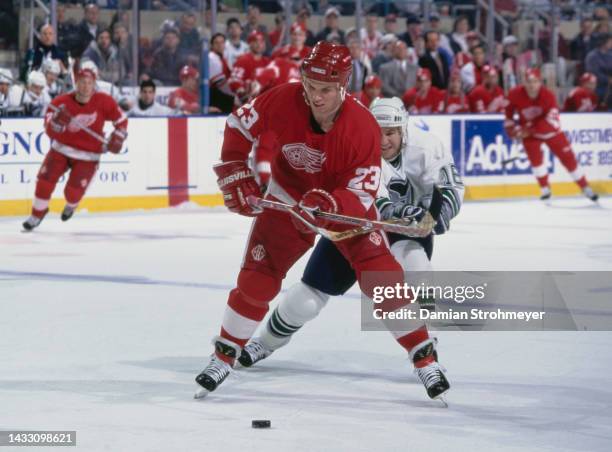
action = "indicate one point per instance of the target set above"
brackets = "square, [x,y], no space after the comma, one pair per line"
[540,116]
[245,69]
[100,108]
[483,100]
[344,161]
[580,99]
[279,71]
[456,104]
[432,102]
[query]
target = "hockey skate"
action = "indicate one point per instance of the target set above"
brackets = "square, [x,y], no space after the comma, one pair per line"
[545,193]
[253,352]
[33,222]
[429,371]
[589,193]
[67,212]
[217,370]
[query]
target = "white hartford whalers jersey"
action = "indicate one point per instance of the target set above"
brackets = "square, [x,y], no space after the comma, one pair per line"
[409,178]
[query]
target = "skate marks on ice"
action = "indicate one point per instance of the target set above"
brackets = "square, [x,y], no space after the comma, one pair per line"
[113,279]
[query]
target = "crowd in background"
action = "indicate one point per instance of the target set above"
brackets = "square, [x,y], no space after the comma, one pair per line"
[431,69]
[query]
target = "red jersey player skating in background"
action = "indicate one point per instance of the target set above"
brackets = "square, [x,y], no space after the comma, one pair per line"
[72,148]
[538,123]
[329,159]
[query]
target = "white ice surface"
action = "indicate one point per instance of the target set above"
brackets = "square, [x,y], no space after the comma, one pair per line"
[106,320]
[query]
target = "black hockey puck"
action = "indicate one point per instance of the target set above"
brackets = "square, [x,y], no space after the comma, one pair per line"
[261,423]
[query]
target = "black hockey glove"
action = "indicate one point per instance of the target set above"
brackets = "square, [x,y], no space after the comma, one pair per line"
[443,220]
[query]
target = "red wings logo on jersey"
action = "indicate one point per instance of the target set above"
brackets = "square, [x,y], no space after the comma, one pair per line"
[302,157]
[530,113]
[79,121]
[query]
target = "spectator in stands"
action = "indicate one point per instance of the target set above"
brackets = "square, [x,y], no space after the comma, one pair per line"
[221,96]
[583,97]
[301,18]
[123,42]
[234,46]
[385,54]
[424,98]
[487,97]
[276,36]
[458,37]
[168,60]
[399,74]
[253,23]
[87,30]
[332,30]
[370,36]
[435,25]
[601,28]
[190,41]
[360,71]
[44,50]
[9,24]
[414,31]
[52,71]
[186,98]
[471,73]
[436,59]
[106,57]
[390,25]
[582,43]
[296,50]
[146,105]
[67,33]
[599,63]
[372,89]
[509,64]
[455,100]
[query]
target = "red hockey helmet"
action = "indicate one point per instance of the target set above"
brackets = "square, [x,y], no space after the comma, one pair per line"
[423,74]
[587,77]
[255,35]
[372,81]
[86,72]
[188,72]
[328,62]
[488,69]
[533,72]
[297,27]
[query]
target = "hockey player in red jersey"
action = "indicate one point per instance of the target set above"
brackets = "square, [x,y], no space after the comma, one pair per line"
[424,98]
[247,67]
[280,70]
[328,159]
[186,98]
[72,148]
[538,123]
[296,50]
[583,97]
[487,97]
[372,89]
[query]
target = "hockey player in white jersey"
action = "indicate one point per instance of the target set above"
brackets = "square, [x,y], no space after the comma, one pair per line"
[415,162]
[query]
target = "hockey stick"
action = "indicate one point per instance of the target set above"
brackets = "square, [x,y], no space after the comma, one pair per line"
[363,226]
[84,128]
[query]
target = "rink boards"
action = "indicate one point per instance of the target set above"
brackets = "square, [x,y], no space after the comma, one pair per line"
[168,161]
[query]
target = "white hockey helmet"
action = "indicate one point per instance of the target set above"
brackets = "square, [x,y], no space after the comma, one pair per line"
[37,78]
[52,66]
[389,112]
[6,76]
